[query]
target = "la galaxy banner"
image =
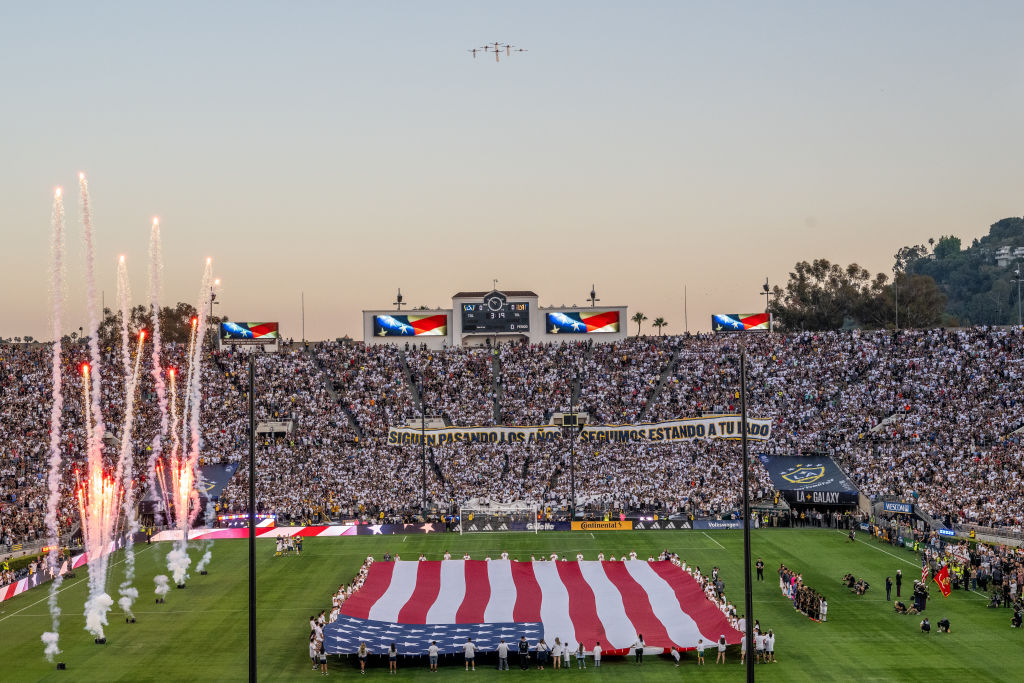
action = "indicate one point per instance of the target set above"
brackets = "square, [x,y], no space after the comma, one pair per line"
[814,479]
[708,427]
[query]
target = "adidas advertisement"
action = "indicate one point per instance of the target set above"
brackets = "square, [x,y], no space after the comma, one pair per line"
[497,526]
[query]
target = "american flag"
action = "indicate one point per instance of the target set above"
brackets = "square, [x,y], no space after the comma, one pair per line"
[924,568]
[411,603]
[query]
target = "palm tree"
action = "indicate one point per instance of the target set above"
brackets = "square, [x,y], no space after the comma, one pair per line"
[659,323]
[638,318]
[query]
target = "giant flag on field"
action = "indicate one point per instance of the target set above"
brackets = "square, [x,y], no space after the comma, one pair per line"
[583,322]
[411,603]
[433,325]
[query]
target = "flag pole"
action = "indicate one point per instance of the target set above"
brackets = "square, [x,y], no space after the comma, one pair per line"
[747,595]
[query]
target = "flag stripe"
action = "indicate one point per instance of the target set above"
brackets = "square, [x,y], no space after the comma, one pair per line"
[453,590]
[503,591]
[582,607]
[428,585]
[403,582]
[691,599]
[478,593]
[682,630]
[610,609]
[554,606]
[377,581]
[637,604]
[527,606]
[600,320]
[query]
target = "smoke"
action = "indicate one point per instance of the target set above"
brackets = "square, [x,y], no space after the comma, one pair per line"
[96,608]
[50,639]
[56,409]
[96,448]
[193,396]
[178,562]
[156,369]
[98,525]
[207,556]
[128,595]
[161,585]
[51,648]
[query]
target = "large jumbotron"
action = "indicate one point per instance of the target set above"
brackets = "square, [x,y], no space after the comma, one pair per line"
[494,317]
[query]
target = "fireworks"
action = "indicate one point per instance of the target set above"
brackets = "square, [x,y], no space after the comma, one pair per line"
[104,492]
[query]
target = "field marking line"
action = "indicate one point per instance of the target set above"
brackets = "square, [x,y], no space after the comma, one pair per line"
[404,538]
[69,585]
[901,559]
[713,540]
[593,536]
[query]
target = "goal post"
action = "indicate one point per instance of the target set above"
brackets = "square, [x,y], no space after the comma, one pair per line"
[483,517]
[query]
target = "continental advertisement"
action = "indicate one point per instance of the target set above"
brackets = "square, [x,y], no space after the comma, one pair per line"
[603,526]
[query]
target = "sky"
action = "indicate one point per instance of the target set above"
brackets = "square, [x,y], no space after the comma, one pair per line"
[341,150]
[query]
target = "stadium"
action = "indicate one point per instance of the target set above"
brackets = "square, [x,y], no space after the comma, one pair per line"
[403,485]
[232,449]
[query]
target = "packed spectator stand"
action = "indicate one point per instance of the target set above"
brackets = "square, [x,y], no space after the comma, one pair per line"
[929,416]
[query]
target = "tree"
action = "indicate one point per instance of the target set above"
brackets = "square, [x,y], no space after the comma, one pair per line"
[948,246]
[922,303]
[907,255]
[821,295]
[176,323]
[638,318]
[659,323]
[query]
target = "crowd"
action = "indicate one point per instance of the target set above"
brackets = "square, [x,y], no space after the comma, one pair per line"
[928,416]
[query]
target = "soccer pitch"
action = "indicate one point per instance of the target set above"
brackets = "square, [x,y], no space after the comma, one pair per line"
[200,633]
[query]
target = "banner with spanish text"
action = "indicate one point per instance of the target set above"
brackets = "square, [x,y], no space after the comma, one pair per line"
[687,429]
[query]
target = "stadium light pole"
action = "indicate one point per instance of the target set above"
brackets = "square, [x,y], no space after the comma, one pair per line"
[252,519]
[766,290]
[1017,280]
[574,426]
[748,600]
[896,286]
[423,446]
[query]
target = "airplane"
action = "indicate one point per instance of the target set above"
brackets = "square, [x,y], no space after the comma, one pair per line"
[474,51]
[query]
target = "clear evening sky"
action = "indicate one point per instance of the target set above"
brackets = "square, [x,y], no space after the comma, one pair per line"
[345,149]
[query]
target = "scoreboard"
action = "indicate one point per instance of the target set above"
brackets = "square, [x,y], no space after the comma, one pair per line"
[496,314]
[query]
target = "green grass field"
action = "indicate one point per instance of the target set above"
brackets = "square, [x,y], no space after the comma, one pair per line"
[201,632]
